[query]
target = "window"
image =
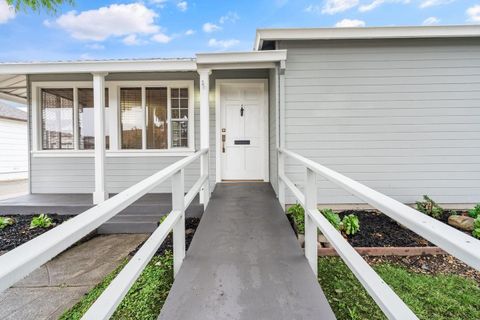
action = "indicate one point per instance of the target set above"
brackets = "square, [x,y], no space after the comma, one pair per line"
[146,114]
[86,137]
[179,117]
[131,117]
[57,119]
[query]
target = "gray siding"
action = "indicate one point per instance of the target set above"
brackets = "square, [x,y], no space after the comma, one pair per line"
[400,116]
[76,174]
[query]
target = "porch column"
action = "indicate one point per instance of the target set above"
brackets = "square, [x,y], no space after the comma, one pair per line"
[204,131]
[100,193]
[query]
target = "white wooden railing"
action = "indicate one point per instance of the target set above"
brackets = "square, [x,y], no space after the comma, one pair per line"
[457,243]
[19,262]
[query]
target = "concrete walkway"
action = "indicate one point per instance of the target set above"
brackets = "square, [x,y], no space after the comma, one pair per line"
[59,284]
[245,263]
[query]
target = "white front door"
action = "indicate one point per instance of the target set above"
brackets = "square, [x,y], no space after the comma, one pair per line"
[243,131]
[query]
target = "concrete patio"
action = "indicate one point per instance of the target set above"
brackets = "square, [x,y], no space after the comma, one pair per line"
[59,284]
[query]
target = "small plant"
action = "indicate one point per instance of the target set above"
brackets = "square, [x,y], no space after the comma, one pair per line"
[429,207]
[298,214]
[332,217]
[162,218]
[5,222]
[475,212]
[350,224]
[41,221]
[476,228]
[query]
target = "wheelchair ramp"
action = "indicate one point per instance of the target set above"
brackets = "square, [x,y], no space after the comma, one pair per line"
[245,263]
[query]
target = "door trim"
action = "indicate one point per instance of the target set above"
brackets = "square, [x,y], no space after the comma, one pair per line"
[218,160]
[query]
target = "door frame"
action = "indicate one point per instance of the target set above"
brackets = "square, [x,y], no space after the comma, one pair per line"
[218,160]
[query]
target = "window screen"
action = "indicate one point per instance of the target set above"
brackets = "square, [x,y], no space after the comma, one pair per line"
[86,119]
[131,118]
[57,118]
[156,118]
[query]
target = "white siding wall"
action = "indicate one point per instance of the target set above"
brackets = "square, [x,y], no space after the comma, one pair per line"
[402,117]
[13,150]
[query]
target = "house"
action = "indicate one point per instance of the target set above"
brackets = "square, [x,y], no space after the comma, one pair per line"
[396,108]
[13,144]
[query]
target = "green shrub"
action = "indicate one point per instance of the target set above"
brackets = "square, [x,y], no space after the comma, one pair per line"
[41,221]
[475,212]
[298,214]
[476,228]
[5,222]
[350,224]
[429,207]
[332,217]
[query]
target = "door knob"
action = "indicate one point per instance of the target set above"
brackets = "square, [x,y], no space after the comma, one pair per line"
[241,111]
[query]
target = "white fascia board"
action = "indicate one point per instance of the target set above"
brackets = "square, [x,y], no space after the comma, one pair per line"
[460,31]
[241,57]
[97,66]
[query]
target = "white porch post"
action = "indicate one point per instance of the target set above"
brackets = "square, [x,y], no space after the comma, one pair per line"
[100,193]
[205,131]
[281,133]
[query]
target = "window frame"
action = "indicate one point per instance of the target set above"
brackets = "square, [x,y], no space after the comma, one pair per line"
[114,122]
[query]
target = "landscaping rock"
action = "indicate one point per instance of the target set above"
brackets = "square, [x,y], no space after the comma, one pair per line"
[189,231]
[461,222]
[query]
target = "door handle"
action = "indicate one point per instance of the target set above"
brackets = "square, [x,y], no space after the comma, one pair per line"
[224,137]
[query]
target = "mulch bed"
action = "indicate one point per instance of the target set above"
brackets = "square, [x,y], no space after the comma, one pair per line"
[20,232]
[191,225]
[429,264]
[378,230]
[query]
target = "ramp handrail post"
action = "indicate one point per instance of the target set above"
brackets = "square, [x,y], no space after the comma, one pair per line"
[281,183]
[178,204]
[311,246]
[204,168]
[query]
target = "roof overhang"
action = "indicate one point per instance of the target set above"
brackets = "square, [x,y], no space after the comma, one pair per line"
[241,60]
[98,66]
[463,31]
[13,88]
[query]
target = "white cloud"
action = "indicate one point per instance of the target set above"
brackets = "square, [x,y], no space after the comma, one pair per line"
[336,6]
[377,3]
[6,12]
[114,20]
[95,46]
[348,23]
[229,17]
[131,40]
[159,3]
[432,3]
[189,32]
[211,27]
[431,21]
[473,14]
[223,44]
[161,38]
[182,5]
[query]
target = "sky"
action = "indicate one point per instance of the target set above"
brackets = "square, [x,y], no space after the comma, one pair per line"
[181,28]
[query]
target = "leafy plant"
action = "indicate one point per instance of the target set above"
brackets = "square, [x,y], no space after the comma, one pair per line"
[476,228]
[332,217]
[298,214]
[5,222]
[429,207]
[41,221]
[475,212]
[350,224]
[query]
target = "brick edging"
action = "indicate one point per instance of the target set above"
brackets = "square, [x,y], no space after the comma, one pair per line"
[386,251]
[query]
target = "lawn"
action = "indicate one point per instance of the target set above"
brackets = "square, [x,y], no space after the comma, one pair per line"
[430,297]
[143,301]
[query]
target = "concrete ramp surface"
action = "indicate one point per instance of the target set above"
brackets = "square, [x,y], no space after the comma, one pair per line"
[245,263]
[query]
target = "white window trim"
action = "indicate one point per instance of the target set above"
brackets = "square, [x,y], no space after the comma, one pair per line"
[114,121]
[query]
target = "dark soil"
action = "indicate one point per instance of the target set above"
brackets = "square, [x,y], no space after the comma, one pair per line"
[430,264]
[191,225]
[378,230]
[20,232]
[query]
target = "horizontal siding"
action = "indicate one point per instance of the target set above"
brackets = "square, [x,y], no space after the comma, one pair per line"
[400,116]
[13,149]
[76,174]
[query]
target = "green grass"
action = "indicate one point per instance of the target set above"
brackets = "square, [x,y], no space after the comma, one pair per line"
[430,297]
[143,301]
